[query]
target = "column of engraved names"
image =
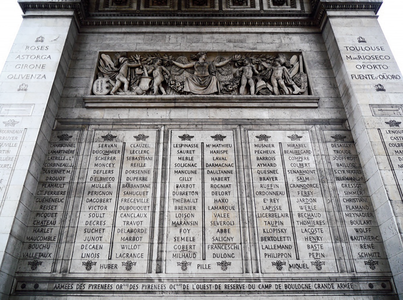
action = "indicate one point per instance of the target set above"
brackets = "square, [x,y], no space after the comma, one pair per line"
[185,203]
[223,236]
[364,236]
[203,216]
[10,140]
[275,232]
[292,225]
[311,223]
[44,227]
[131,243]
[94,231]
[392,142]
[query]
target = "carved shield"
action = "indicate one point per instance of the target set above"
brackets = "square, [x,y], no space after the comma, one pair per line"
[101,86]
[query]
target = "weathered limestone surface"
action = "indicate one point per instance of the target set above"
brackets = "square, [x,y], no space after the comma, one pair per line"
[373,124]
[110,191]
[31,84]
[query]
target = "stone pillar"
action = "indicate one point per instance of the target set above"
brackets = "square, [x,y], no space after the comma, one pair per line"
[371,88]
[30,88]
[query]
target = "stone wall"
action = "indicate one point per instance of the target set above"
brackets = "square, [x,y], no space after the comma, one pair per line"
[188,196]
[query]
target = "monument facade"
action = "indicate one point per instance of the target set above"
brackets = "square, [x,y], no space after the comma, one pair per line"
[201,148]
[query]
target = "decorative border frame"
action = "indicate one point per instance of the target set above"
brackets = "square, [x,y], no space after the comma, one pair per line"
[296,18]
[147,5]
[250,5]
[306,100]
[196,101]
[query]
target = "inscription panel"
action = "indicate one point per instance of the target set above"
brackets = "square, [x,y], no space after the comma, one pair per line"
[114,227]
[392,142]
[10,143]
[356,207]
[293,230]
[310,287]
[204,233]
[99,200]
[45,227]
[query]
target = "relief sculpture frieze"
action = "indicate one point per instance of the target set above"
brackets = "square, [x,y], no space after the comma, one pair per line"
[126,73]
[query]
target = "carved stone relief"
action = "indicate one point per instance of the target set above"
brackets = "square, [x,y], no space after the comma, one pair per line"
[239,2]
[200,74]
[241,5]
[120,2]
[159,2]
[200,4]
[279,2]
[160,7]
[157,5]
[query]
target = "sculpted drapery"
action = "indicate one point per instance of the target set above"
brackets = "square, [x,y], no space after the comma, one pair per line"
[236,74]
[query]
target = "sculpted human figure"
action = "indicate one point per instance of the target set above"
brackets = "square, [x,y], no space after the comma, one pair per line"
[157,70]
[202,82]
[247,73]
[122,75]
[280,78]
[241,74]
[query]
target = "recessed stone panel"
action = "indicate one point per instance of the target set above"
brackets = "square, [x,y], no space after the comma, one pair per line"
[356,207]
[287,191]
[203,203]
[188,202]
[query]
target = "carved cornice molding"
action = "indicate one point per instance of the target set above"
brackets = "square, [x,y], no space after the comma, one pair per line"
[287,18]
[80,8]
[169,18]
[320,8]
[197,101]
[246,22]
